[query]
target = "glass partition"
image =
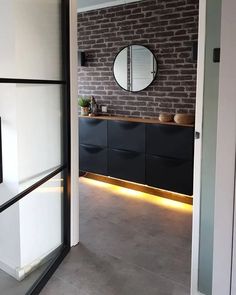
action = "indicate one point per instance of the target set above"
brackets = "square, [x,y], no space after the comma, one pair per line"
[32,131]
[31,31]
[35,129]
[35,237]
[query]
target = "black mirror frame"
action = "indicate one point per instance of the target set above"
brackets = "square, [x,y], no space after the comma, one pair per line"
[154,78]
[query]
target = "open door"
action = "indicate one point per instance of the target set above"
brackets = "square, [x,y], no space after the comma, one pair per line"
[224,266]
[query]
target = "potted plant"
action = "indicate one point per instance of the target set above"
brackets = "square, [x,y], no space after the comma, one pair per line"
[84,103]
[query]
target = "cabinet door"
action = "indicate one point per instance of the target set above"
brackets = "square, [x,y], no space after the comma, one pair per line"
[170,141]
[93,159]
[93,131]
[126,136]
[126,165]
[170,174]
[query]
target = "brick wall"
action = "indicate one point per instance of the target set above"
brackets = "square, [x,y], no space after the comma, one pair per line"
[168,28]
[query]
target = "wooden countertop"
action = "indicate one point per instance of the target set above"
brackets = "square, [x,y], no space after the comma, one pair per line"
[132,119]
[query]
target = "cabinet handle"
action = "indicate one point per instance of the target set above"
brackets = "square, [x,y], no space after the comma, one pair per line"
[127,154]
[93,121]
[171,161]
[91,149]
[169,129]
[128,125]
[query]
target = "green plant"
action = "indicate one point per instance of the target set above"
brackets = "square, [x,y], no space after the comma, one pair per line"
[83,102]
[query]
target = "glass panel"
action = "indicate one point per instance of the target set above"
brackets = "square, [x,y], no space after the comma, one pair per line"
[31,135]
[31,31]
[35,238]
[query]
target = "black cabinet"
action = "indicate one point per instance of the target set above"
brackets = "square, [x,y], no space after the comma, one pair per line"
[93,145]
[126,165]
[170,141]
[169,157]
[93,159]
[154,154]
[126,135]
[170,174]
[93,131]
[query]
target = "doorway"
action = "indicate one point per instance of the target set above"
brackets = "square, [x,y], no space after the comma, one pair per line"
[96,78]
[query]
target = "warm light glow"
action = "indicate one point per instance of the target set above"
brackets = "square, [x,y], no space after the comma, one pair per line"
[140,196]
[97,183]
[127,191]
[175,204]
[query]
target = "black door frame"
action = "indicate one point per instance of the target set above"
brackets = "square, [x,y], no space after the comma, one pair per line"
[65,168]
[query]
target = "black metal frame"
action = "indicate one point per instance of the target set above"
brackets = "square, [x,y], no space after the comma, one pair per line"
[21,195]
[31,81]
[65,168]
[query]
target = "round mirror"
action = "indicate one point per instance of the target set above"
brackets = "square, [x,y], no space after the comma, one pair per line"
[135,68]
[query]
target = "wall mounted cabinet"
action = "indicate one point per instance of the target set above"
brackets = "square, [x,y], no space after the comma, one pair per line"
[93,159]
[126,135]
[127,165]
[93,132]
[170,174]
[142,151]
[169,141]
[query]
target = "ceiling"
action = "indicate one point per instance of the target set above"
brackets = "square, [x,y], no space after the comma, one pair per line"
[85,5]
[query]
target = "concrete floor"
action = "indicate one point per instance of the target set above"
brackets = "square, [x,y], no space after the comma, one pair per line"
[131,244]
[10,286]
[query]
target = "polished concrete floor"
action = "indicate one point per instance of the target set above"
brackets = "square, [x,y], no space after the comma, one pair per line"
[10,286]
[131,244]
